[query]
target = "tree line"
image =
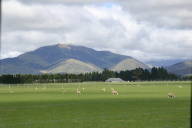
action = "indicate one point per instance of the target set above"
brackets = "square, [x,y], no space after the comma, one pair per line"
[137,74]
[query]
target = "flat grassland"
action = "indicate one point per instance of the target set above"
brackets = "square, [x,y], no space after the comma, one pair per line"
[138,105]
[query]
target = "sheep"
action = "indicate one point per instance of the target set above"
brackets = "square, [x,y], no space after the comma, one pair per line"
[171,95]
[114,92]
[78,91]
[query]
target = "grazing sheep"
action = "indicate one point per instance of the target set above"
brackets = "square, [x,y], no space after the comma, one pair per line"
[78,91]
[114,92]
[171,95]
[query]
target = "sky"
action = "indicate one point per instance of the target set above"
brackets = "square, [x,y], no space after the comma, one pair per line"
[146,29]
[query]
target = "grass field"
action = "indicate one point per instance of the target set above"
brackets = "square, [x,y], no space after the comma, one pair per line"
[138,105]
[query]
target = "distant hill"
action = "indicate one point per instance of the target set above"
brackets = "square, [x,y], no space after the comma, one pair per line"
[163,62]
[44,58]
[129,64]
[72,66]
[182,68]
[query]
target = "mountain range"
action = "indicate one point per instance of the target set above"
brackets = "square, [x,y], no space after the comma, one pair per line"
[62,58]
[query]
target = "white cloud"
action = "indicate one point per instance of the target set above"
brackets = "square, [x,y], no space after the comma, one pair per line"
[26,27]
[10,54]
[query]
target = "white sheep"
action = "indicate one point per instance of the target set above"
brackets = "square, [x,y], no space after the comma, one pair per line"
[171,95]
[78,91]
[114,92]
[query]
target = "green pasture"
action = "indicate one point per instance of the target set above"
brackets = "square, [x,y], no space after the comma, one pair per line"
[138,105]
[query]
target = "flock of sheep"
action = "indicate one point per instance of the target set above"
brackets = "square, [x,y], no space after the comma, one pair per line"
[113,91]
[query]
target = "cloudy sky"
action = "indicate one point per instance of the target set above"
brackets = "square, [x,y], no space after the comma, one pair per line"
[144,29]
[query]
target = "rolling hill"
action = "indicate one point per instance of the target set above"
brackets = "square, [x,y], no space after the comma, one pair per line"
[129,64]
[164,62]
[182,68]
[72,66]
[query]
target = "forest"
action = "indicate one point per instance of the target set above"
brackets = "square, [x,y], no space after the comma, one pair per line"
[138,74]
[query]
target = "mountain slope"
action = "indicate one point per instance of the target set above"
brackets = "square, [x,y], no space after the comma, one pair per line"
[182,68]
[129,64]
[15,65]
[72,66]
